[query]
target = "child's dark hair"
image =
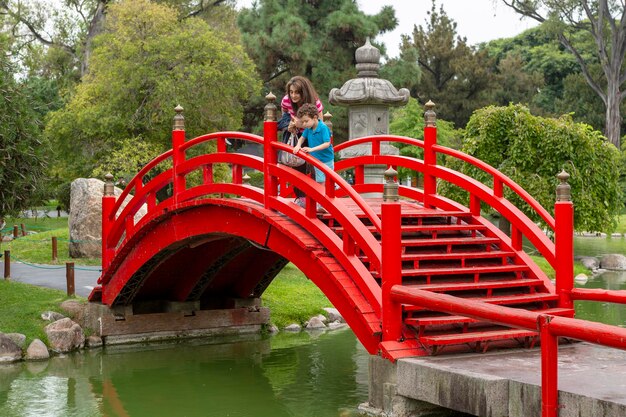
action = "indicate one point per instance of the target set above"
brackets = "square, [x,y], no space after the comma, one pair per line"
[304,87]
[308,109]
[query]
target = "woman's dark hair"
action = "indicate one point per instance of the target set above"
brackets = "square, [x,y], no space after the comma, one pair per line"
[305,88]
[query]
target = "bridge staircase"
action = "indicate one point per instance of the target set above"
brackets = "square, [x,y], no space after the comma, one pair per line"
[458,253]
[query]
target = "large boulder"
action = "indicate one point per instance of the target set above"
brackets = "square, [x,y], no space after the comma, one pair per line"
[613,261]
[65,335]
[9,350]
[36,351]
[85,220]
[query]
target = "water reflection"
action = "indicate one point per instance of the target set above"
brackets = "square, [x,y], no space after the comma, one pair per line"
[287,375]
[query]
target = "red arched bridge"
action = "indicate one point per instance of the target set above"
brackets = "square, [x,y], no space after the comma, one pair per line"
[411,275]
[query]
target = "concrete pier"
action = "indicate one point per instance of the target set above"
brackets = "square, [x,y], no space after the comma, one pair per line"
[592,383]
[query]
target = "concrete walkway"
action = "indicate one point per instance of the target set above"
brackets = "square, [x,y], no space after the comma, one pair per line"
[53,276]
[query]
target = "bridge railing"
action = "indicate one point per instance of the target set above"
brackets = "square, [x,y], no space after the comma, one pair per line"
[559,253]
[171,172]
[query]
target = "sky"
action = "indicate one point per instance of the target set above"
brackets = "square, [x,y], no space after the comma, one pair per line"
[477,20]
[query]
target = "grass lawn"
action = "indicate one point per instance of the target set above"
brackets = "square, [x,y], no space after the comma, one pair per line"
[37,248]
[21,306]
[293,298]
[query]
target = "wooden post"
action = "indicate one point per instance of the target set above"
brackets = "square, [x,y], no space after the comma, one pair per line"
[108,203]
[391,268]
[7,264]
[549,369]
[270,134]
[430,156]
[69,278]
[54,249]
[23,229]
[564,241]
[15,232]
[178,156]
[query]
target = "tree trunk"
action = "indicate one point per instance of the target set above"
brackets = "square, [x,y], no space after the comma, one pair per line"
[612,129]
[95,28]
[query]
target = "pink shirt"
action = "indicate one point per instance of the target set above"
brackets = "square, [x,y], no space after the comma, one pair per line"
[285,104]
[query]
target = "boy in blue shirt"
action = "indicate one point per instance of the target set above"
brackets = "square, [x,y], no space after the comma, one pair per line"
[318,136]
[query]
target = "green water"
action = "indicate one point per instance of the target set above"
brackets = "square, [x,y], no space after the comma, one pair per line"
[304,375]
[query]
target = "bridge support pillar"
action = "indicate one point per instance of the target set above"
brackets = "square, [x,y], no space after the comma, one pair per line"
[383,398]
[162,320]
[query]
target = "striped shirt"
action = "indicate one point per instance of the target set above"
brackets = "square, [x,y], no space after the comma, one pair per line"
[287,107]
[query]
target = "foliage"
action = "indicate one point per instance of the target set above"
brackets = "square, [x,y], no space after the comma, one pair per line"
[315,39]
[292,298]
[21,306]
[600,21]
[145,63]
[22,152]
[453,74]
[531,150]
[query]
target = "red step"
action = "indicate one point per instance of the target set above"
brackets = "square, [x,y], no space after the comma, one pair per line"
[447,320]
[483,285]
[473,337]
[428,228]
[501,300]
[449,241]
[463,270]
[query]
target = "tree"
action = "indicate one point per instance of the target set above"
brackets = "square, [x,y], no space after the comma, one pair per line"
[316,39]
[531,150]
[454,75]
[70,26]
[145,63]
[22,161]
[605,22]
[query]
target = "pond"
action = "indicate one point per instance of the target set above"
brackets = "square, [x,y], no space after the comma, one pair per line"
[303,374]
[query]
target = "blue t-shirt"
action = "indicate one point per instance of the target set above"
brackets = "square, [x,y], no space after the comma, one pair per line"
[318,136]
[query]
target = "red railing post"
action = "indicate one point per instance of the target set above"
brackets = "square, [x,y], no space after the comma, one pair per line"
[178,156]
[391,257]
[549,368]
[108,202]
[564,241]
[430,156]
[270,134]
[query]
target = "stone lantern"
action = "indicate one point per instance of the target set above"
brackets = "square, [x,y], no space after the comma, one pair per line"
[368,99]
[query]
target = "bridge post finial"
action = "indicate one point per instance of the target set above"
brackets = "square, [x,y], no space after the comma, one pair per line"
[179,119]
[563,190]
[390,189]
[108,185]
[270,108]
[429,115]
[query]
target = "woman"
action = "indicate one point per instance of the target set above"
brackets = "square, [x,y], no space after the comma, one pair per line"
[299,90]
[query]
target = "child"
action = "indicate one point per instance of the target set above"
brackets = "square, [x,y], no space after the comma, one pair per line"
[318,136]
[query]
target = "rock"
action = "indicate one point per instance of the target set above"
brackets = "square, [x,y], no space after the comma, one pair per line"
[52,316]
[18,338]
[333,315]
[293,328]
[616,235]
[322,318]
[337,325]
[315,323]
[613,261]
[64,335]
[74,308]
[85,220]
[581,278]
[9,350]
[590,262]
[272,329]
[37,351]
[93,341]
